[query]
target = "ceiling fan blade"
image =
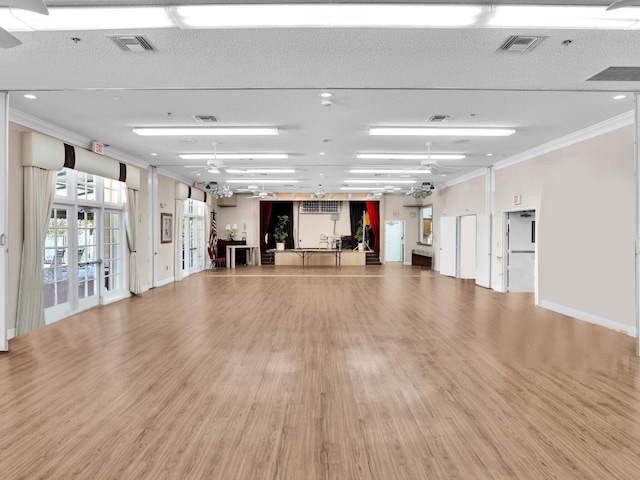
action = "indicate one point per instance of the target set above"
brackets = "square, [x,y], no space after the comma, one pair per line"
[623,3]
[37,6]
[7,40]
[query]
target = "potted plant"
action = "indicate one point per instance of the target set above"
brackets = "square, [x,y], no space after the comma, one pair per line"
[280,231]
[359,235]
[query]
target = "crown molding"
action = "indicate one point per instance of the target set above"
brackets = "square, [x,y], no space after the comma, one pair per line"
[601,128]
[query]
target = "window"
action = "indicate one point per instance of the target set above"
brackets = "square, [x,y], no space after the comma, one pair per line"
[86,186]
[55,274]
[83,260]
[192,238]
[112,248]
[112,190]
[426,224]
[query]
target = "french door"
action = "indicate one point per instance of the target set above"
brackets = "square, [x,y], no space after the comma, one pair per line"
[78,241]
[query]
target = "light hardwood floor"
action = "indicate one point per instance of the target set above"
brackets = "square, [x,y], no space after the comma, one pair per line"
[352,373]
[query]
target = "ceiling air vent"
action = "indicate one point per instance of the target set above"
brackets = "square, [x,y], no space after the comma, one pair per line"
[617,74]
[132,43]
[439,118]
[521,43]
[205,118]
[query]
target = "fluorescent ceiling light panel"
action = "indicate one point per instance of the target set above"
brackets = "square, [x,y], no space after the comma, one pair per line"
[233,156]
[445,132]
[562,16]
[390,171]
[93,18]
[209,131]
[410,156]
[325,15]
[260,170]
[378,181]
[259,180]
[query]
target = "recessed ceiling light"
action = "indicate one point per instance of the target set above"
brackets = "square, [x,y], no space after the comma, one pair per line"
[213,170]
[435,131]
[372,189]
[30,96]
[322,153]
[410,156]
[233,156]
[489,154]
[619,97]
[326,94]
[211,131]
[153,154]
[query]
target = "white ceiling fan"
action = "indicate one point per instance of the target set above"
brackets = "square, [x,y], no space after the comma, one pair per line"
[262,194]
[7,40]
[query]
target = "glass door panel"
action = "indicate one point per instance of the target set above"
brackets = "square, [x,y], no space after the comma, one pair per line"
[55,272]
[87,258]
[112,256]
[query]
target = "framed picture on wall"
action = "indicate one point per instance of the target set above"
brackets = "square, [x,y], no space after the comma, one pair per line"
[166,228]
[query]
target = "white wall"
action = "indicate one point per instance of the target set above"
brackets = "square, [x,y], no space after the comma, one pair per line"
[468,246]
[244,215]
[392,209]
[464,198]
[311,225]
[584,197]
[166,251]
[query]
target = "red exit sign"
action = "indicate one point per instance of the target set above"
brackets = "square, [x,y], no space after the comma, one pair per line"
[98,148]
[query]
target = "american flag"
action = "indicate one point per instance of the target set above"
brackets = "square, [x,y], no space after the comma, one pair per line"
[213,236]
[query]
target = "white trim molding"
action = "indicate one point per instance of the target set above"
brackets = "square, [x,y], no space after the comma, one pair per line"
[11,333]
[601,128]
[588,317]
[166,281]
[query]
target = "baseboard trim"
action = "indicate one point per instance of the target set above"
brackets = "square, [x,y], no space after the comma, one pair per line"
[11,333]
[124,295]
[590,318]
[166,281]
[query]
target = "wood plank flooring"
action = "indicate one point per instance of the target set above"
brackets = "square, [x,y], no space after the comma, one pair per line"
[352,373]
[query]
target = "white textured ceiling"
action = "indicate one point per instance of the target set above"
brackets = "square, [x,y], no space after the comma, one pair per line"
[273,77]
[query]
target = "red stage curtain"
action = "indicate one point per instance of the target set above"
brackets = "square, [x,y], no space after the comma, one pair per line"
[265,216]
[373,209]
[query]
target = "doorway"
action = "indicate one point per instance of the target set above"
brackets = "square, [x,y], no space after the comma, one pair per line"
[394,241]
[520,243]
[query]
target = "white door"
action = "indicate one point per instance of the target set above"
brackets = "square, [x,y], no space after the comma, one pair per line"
[88,258]
[483,250]
[521,251]
[448,237]
[4,198]
[394,241]
[467,247]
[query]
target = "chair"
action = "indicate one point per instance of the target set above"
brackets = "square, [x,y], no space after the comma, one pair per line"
[216,259]
[324,239]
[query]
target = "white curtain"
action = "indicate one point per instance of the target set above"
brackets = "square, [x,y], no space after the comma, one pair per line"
[131,226]
[177,228]
[39,190]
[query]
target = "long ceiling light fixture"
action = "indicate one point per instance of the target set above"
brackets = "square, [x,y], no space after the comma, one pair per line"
[378,181]
[409,156]
[245,180]
[259,170]
[437,131]
[390,171]
[208,131]
[326,15]
[322,16]
[234,156]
